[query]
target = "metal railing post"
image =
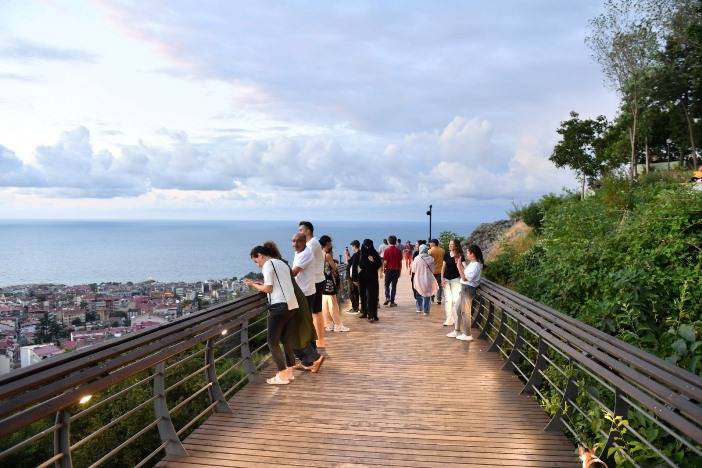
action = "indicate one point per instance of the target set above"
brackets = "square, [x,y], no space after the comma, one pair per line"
[510,363]
[536,377]
[570,393]
[215,390]
[621,408]
[62,439]
[500,337]
[166,430]
[476,317]
[249,364]
[488,322]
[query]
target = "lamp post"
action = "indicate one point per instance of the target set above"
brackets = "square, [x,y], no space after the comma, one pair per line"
[429,214]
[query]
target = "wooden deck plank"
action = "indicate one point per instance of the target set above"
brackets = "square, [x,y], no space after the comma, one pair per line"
[393,393]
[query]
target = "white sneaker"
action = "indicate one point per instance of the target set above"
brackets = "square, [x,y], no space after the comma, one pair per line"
[453,334]
[330,328]
[352,312]
[341,328]
[464,337]
[419,311]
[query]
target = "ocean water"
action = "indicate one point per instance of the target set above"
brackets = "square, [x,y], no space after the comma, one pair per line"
[78,252]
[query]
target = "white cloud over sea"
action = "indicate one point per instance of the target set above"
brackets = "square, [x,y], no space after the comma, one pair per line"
[255,109]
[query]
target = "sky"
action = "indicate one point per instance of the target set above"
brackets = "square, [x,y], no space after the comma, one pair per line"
[354,110]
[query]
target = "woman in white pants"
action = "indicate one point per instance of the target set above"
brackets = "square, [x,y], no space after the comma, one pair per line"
[451,281]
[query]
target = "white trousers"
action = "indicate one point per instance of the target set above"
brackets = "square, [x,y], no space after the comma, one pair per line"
[452,299]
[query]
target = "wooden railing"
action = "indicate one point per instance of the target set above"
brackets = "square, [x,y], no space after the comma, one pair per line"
[128,400]
[631,406]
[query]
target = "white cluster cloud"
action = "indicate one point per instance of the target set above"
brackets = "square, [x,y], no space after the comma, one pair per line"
[461,161]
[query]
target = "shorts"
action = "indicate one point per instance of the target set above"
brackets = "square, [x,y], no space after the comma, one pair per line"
[310,301]
[319,289]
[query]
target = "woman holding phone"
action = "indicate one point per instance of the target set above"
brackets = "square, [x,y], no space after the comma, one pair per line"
[277,284]
[470,280]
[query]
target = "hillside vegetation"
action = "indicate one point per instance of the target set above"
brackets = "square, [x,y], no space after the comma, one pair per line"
[627,259]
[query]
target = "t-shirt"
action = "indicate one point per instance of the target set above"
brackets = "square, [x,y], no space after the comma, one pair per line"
[437,253]
[451,270]
[393,258]
[381,250]
[318,264]
[472,272]
[283,290]
[305,277]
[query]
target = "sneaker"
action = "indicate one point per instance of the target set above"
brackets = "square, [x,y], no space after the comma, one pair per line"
[419,311]
[426,314]
[386,302]
[438,302]
[453,334]
[392,304]
[341,328]
[330,328]
[464,337]
[352,312]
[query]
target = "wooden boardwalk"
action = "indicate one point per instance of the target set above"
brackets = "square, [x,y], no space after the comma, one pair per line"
[393,393]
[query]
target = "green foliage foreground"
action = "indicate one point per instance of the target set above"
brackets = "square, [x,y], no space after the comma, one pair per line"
[627,260]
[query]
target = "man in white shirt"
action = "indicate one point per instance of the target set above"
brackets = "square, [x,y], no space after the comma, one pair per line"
[303,270]
[306,229]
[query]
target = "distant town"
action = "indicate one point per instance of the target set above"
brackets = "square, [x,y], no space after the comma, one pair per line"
[39,321]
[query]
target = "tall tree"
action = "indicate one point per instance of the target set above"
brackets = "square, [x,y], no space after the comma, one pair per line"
[583,148]
[625,42]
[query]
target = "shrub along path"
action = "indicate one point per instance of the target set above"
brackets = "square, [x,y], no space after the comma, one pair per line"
[393,393]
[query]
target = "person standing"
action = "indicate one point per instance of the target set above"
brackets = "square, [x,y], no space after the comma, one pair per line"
[302,270]
[330,305]
[470,273]
[437,253]
[307,229]
[277,284]
[407,254]
[383,246]
[424,281]
[367,272]
[392,265]
[451,281]
[351,260]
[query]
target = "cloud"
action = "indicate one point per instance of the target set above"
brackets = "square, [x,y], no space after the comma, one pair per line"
[22,50]
[462,161]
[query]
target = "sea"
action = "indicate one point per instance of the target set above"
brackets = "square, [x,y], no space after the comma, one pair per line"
[80,252]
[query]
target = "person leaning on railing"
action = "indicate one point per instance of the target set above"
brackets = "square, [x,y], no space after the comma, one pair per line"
[470,280]
[277,284]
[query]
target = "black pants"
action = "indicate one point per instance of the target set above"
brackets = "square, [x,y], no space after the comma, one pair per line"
[354,295]
[391,277]
[370,298]
[277,322]
[440,292]
[362,297]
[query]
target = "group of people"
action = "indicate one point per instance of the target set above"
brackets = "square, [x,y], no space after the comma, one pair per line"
[302,297]
[302,303]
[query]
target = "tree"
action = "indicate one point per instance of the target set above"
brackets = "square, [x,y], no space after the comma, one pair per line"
[447,236]
[625,42]
[583,148]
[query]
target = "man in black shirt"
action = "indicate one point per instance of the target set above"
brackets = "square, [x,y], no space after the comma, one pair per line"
[352,260]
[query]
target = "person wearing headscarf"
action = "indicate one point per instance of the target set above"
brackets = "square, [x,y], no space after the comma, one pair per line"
[424,281]
[367,270]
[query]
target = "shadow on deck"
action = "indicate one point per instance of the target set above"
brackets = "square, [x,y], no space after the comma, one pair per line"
[393,393]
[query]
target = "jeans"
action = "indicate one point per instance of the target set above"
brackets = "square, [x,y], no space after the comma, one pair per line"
[452,297]
[391,277]
[464,309]
[440,292]
[277,321]
[423,304]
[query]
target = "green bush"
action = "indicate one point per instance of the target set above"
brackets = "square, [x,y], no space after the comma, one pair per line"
[627,260]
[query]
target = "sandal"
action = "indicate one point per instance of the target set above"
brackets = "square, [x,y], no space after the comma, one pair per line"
[317,364]
[277,380]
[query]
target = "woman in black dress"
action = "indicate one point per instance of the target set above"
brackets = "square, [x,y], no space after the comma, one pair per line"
[368,268]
